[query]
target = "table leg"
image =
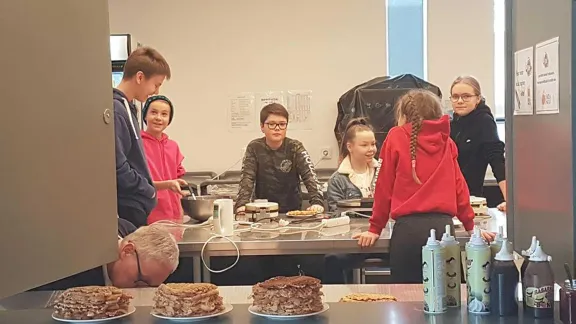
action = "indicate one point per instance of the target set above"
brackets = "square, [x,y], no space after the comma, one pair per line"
[197,269]
[464,266]
[205,271]
[357,276]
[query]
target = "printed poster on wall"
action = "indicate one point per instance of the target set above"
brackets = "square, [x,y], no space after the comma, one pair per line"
[241,113]
[524,82]
[546,72]
[299,109]
[268,97]
[265,98]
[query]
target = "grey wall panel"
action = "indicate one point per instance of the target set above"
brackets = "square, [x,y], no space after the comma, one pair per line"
[57,175]
[509,110]
[542,145]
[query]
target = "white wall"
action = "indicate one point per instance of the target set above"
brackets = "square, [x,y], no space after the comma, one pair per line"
[219,48]
[460,42]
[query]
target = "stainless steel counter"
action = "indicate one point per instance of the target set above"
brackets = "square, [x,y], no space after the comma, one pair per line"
[306,242]
[339,313]
[328,240]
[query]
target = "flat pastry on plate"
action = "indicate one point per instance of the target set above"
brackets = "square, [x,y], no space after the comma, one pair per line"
[365,297]
[92,303]
[301,213]
[187,300]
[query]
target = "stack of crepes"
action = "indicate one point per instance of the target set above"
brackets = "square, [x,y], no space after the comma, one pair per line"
[288,296]
[365,297]
[187,300]
[91,302]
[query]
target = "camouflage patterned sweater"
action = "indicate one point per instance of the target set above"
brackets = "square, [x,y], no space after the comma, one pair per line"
[275,175]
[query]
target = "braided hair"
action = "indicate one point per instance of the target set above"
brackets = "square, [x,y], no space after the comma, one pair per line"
[415,107]
[354,126]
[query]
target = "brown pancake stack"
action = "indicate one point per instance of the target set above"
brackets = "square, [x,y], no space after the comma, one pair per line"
[365,297]
[187,300]
[92,302]
[287,296]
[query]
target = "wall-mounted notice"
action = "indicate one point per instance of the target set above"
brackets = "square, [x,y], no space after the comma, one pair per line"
[524,82]
[299,110]
[546,71]
[241,115]
[268,97]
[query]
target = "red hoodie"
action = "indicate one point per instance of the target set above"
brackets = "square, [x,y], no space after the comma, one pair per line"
[165,163]
[443,189]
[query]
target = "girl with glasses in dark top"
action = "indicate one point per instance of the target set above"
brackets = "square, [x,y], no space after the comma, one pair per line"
[474,131]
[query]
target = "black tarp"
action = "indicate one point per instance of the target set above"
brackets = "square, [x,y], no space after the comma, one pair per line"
[375,101]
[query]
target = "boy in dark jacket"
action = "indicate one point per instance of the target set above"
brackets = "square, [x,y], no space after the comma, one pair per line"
[144,72]
[274,165]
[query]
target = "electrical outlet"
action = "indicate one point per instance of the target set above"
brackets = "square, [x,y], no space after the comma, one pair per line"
[326,153]
[243,151]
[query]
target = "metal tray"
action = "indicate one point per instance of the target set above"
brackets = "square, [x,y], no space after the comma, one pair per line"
[355,203]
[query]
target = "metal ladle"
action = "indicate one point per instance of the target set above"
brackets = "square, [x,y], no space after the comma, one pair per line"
[191,191]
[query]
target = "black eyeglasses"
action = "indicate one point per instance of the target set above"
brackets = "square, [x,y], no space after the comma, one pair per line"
[465,97]
[281,126]
[140,281]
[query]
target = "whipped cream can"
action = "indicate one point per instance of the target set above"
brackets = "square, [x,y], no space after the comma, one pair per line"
[453,268]
[433,275]
[478,257]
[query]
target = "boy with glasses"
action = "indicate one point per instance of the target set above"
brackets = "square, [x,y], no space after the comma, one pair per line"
[273,166]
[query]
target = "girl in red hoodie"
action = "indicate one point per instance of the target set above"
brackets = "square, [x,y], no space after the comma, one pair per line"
[164,160]
[419,184]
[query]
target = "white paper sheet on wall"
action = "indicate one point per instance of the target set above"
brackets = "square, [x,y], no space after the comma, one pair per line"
[546,72]
[524,82]
[241,113]
[266,98]
[299,109]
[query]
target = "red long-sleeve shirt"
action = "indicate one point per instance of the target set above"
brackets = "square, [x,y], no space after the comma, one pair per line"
[443,189]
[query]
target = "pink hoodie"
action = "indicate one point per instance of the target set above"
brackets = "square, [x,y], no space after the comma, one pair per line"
[165,163]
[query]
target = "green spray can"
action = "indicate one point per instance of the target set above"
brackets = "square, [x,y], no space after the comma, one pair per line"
[433,275]
[453,259]
[478,256]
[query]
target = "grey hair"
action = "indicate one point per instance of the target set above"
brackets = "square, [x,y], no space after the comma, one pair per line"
[155,243]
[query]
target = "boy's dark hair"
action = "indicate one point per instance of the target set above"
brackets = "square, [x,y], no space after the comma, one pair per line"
[147,60]
[272,109]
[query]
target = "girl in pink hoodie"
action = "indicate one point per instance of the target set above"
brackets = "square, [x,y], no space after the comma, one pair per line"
[164,160]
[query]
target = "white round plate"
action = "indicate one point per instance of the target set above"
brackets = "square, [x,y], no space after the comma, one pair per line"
[227,309]
[288,317]
[131,310]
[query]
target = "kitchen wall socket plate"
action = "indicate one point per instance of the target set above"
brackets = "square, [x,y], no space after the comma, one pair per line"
[243,151]
[326,153]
